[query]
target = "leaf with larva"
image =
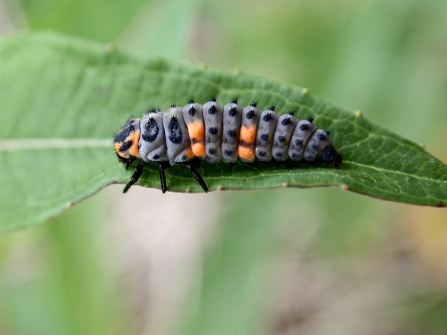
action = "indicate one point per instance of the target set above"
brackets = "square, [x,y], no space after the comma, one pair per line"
[62,99]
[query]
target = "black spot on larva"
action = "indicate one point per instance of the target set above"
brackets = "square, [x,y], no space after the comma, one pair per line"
[327,132]
[253,104]
[231,133]
[264,137]
[310,157]
[314,146]
[321,137]
[298,143]
[155,157]
[228,152]
[212,151]
[267,117]
[262,153]
[285,121]
[121,135]
[152,129]
[292,112]
[234,101]
[281,139]
[295,155]
[176,132]
[212,109]
[311,119]
[232,111]
[304,126]
[152,110]
[213,98]
[212,131]
[191,101]
[126,145]
[191,111]
[124,133]
[250,114]
[272,107]
[173,105]
[278,154]
[184,158]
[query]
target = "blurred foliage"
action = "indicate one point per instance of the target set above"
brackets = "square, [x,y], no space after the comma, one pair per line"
[385,58]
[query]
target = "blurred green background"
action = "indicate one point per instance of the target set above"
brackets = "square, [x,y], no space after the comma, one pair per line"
[248,262]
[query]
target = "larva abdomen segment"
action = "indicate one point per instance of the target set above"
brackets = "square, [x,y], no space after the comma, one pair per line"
[212,116]
[264,137]
[232,117]
[283,133]
[319,141]
[301,135]
[247,134]
[177,138]
[193,116]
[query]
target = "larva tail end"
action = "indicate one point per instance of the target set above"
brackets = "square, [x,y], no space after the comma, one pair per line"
[332,157]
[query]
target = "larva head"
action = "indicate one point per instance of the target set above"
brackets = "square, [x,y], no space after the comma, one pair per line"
[126,141]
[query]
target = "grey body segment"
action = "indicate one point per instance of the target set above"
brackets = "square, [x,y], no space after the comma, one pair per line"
[232,116]
[177,138]
[264,135]
[193,116]
[301,136]
[212,116]
[152,144]
[250,119]
[319,141]
[283,134]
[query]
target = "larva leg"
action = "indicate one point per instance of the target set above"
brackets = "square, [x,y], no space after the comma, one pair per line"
[128,162]
[162,166]
[192,166]
[136,175]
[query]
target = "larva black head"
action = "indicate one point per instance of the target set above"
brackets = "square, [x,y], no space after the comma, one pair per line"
[331,156]
[126,140]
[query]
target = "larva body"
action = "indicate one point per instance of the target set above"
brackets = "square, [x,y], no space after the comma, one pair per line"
[214,132]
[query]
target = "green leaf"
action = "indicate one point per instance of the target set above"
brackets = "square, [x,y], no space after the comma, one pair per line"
[62,99]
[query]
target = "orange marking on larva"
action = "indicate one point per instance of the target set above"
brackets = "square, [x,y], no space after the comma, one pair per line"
[133,150]
[189,153]
[198,149]
[196,131]
[246,153]
[248,134]
[117,148]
